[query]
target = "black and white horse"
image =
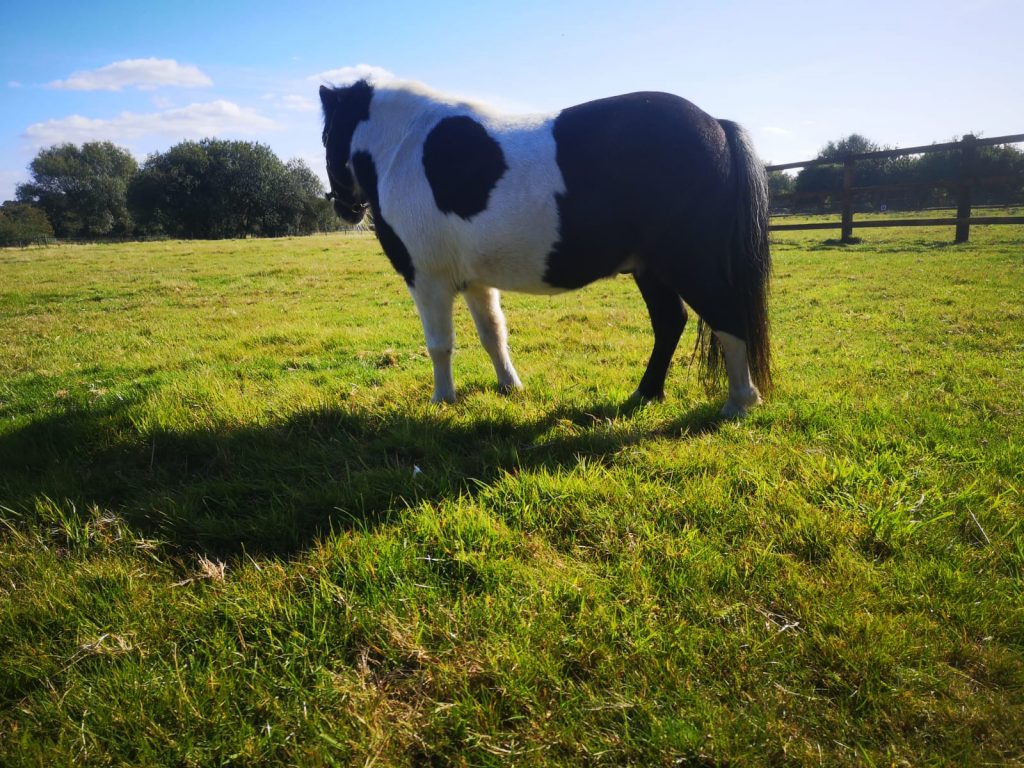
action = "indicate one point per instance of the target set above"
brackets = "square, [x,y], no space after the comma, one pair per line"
[466,200]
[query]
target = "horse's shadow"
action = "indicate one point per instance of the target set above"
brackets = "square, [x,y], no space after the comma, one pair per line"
[274,488]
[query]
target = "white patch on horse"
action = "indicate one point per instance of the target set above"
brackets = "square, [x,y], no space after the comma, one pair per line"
[506,245]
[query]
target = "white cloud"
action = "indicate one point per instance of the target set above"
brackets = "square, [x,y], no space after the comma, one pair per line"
[295,103]
[214,118]
[144,74]
[14,84]
[291,102]
[349,75]
[776,130]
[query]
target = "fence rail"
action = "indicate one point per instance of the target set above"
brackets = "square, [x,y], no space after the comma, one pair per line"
[964,184]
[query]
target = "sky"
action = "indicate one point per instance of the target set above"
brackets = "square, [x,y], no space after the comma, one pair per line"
[147,76]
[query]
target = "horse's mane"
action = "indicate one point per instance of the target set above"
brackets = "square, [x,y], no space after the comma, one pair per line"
[417,91]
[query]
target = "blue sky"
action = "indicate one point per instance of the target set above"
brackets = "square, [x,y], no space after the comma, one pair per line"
[797,74]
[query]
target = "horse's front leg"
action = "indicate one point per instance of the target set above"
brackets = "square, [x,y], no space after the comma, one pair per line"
[485,307]
[434,301]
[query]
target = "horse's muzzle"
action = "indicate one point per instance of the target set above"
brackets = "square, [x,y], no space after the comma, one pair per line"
[350,210]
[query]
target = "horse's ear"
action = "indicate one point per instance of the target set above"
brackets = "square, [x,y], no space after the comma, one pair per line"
[327,96]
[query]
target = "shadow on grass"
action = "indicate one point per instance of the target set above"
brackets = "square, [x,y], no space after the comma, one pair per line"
[274,488]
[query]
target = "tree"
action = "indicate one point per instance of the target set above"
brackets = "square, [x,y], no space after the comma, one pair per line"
[316,213]
[780,183]
[83,189]
[165,198]
[23,224]
[214,188]
[854,144]
[1006,161]
[926,179]
[821,185]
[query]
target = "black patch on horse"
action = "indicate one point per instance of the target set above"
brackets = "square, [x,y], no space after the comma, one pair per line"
[394,248]
[463,164]
[639,183]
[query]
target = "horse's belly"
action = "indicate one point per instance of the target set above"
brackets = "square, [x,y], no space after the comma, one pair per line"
[508,247]
[509,267]
[503,280]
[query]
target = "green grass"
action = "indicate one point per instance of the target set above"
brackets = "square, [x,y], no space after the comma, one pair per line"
[234,532]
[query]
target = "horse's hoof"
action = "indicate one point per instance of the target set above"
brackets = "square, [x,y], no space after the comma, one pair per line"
[448,398]
[732,410]
[642,398]
[737,404]
[509,387]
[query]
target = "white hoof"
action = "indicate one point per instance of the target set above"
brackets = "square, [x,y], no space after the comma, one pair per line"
[509,382]
[733,410]
[442,397]
[736,406]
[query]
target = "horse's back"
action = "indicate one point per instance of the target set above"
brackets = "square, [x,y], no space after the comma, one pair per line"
[643,171]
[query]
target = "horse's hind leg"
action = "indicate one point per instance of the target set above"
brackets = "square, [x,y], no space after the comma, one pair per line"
[668,318]
[715,301]
[434,302]
[485,306]
[742,392]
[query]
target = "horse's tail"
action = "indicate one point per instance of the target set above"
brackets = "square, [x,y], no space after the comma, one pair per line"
[750,267]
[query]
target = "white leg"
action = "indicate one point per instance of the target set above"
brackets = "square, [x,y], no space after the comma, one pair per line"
[434,302]
[742,392]
[485,306]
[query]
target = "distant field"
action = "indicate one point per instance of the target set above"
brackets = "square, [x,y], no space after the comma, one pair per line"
[232,531]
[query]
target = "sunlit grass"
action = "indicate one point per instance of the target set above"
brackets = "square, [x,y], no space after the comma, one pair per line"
[234,532]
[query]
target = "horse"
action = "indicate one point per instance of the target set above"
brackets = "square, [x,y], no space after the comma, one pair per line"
[465,199]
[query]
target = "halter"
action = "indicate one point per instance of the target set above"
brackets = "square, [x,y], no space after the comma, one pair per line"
[355,207]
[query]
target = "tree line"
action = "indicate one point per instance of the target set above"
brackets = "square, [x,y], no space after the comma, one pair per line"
[818,189]
[196,189]
[220,189]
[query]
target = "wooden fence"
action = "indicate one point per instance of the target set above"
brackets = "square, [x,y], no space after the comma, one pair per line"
[963,185]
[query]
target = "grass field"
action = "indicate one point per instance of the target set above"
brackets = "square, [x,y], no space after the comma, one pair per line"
[234,533]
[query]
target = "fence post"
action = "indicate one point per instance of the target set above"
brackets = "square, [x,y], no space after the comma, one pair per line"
[963,195]
[849,172]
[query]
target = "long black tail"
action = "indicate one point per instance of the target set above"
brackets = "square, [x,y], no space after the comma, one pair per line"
[751,265]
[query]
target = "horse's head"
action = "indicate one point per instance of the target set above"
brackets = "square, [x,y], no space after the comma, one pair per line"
[344,109]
